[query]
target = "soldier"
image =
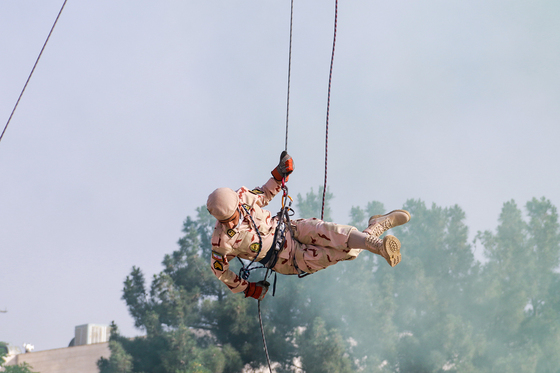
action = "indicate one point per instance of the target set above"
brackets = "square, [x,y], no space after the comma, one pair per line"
[310,244]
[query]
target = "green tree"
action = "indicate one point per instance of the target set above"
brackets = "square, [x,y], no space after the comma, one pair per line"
[192,322]
[507,292]
[19,368]
[322,350]
[439,310]
[359,216]
[3,350]
[408,318]
[119,362]
[542,321]
[520,299]
[311,205]
[432,290]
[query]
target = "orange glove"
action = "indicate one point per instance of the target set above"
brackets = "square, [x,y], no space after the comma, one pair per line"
[257,290]
[284,168]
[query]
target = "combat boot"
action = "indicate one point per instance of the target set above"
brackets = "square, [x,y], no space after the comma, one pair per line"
[389,248]
[378,224]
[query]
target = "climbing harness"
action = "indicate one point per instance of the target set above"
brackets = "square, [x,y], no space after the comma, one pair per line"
[278,243]
[32,70]
[282,227]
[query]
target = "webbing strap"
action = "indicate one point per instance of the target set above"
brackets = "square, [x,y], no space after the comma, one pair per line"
[245,271]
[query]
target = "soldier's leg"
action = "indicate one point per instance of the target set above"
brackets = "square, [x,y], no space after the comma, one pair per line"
[321,233]
[297,256]
[388,247]
[346,240]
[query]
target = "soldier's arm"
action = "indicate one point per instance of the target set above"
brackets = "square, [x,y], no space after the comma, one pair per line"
[267,192]
[220,267]
[273,186]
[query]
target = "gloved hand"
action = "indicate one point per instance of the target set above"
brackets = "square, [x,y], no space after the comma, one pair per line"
[257,290]
[284,168]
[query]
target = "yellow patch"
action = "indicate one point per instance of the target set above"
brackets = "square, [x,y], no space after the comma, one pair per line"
[218,266]
[247,207]
[231,232]
[254,247]
[256,191]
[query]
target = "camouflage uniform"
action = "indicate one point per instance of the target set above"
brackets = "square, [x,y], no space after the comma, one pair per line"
[311,245]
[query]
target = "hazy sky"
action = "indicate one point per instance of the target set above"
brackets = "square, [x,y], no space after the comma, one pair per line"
[139,109]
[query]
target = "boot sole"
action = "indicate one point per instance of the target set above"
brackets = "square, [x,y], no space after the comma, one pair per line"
[392,247]
[389,213]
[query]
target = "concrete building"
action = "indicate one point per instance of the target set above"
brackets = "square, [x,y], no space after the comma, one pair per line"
[89,344]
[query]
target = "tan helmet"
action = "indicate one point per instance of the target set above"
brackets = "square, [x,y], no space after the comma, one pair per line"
[222,203]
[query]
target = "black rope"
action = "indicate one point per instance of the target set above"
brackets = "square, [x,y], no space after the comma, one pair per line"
[263,338]
[278,244]
[328,108]
[289,74]
[32,70]
[284,211]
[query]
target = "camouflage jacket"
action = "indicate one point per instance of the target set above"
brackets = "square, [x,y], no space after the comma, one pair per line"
[243,241]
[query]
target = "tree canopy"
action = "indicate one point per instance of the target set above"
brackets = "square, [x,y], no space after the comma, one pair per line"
[439,310]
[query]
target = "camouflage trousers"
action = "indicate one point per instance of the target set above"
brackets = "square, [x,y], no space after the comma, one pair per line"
[312,245]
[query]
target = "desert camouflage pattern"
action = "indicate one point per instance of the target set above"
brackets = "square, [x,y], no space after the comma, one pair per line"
[311,244]
[243,241]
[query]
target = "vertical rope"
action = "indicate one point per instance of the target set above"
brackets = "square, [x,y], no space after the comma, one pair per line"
[32,70]
[289,74]
[264,340]
[286,149]
[328,108]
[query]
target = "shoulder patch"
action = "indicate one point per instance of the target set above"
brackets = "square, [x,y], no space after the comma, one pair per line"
[217,256]
[231,232]
[247,207]
[254,247]
[218,266]
[256,191]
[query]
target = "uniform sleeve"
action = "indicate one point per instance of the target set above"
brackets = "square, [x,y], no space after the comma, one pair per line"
[220,266]
[267,192]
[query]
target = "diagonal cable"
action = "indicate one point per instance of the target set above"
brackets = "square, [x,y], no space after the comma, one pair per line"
[32,70]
